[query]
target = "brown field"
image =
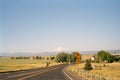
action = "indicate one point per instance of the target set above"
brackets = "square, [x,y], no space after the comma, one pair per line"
[111,71]
[7,64]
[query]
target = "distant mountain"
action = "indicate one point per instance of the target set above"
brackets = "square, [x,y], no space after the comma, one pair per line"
[29,54]
[88,52]
[15,54]
[114,51]
[93,52]
[53,53]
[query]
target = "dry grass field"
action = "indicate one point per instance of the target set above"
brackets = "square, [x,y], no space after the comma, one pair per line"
[101,71]
[86,56]
[7,64]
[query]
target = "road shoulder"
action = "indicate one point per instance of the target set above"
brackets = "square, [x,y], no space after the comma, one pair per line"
[72,76]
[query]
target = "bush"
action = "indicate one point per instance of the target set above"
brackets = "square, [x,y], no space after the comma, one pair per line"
[102,79]
[47,64]
[88,65]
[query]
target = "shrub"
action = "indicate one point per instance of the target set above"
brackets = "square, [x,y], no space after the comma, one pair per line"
[47,64]
[88,65]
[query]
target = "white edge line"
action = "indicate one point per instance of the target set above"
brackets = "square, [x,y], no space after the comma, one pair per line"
[67,74]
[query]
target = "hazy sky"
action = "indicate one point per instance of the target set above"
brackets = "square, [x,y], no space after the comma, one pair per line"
[54,25]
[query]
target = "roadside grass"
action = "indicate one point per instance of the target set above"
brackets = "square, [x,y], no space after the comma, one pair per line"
[111,71]
[7,64]
[86,56]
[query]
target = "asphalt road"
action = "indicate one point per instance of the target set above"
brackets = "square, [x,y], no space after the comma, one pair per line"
[48,73]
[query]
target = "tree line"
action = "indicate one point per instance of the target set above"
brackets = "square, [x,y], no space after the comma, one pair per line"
[101,56]
[60,57]
[66,57]
[35,58]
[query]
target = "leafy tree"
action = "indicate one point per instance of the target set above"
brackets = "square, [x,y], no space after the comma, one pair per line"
[12,57]
[111,58]
[65,57]
[47,58]
[61,57]
[73,56]
[52,58]
[88,65]
[40,57]
[69,57]
[105,56]
[37,57]
[118,58]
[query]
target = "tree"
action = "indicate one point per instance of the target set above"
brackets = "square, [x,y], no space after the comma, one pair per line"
[111,58]
[47,58]
[12,57]
[117,58]
[40,57]
[37,57]
[66,57]
[61,57]
[105,56]
[52,58]
[73,56]
[69,57]
[88,65]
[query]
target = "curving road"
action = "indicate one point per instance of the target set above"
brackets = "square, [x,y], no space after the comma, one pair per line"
[47,73]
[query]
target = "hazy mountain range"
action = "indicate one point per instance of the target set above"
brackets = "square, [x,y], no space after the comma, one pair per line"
[52,53]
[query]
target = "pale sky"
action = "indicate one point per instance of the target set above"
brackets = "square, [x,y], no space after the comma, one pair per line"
[58,25]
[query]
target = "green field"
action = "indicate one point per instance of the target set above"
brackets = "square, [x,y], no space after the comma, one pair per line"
[8,64]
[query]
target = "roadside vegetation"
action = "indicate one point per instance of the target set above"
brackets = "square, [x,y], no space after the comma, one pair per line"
[100,66]
[110,72]
[21,63]
[65,57]
[31,62]
[88,65]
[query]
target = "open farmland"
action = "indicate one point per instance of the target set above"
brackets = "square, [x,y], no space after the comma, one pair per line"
[8,64]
